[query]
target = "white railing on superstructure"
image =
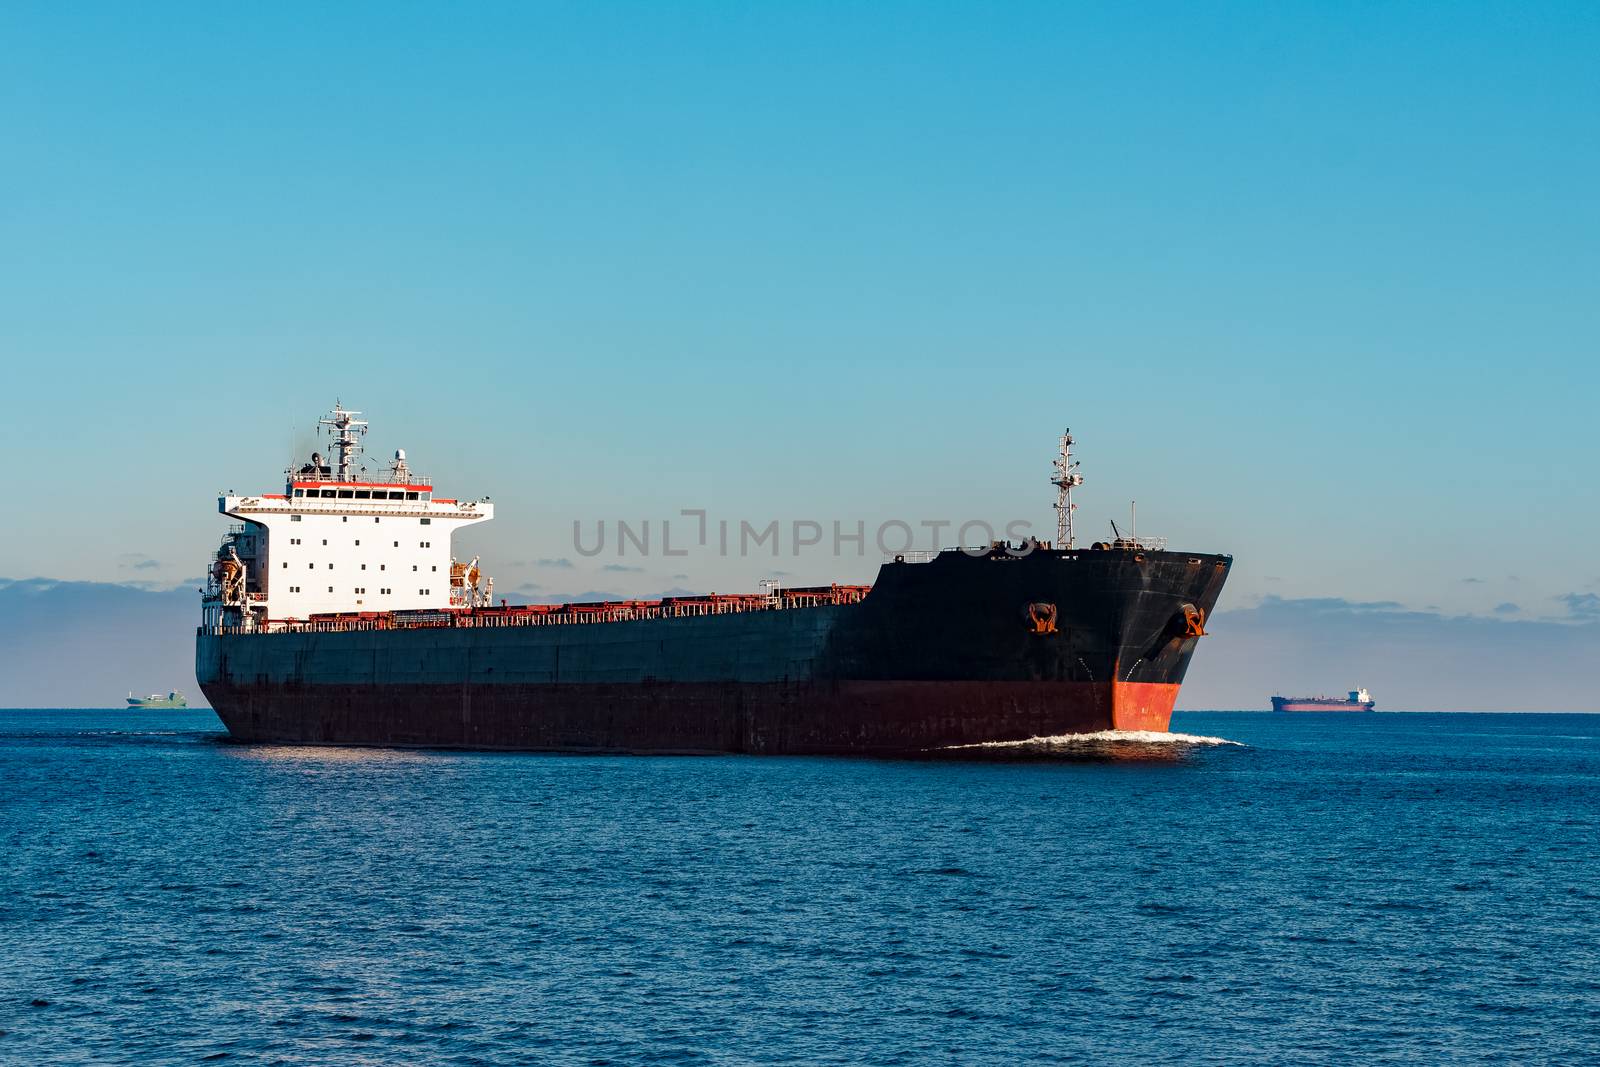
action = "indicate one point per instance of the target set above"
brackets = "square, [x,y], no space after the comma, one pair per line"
[1148,544]
[361,478]
[915,556]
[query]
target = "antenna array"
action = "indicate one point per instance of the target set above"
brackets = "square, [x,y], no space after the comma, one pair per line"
[1065,478]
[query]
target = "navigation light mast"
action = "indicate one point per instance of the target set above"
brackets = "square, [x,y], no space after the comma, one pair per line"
[346,431]
[1066,480]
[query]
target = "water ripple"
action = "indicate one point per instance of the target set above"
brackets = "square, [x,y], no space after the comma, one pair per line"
[1383,889]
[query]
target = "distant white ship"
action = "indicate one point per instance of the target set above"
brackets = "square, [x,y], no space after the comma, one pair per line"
[173,699]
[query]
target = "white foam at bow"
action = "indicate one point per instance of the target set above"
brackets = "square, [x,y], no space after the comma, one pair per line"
[1141,737]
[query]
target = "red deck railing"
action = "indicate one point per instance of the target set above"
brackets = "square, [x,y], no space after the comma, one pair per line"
[562,614]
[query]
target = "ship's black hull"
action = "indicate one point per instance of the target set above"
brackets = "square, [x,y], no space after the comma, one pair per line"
[960,650]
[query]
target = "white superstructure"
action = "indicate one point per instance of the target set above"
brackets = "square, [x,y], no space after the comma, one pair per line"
[337,540]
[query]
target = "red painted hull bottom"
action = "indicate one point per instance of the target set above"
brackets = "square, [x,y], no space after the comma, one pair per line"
[1341,705]
[775,718]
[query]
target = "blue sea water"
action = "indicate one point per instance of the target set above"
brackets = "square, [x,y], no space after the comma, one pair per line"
[1331,889]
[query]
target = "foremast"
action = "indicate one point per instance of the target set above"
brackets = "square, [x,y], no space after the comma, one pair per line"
[1065,478]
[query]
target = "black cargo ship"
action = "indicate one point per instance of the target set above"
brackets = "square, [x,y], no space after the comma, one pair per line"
[1000,644]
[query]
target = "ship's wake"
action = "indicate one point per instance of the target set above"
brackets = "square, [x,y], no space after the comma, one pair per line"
[1150,745]
[1137,737]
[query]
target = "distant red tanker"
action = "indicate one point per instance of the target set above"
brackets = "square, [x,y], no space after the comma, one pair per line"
[1358,700]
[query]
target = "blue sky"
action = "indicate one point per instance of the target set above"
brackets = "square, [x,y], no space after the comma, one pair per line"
[1315,283]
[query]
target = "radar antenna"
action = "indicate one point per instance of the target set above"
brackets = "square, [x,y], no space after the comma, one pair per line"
[1066,479]
[346,431]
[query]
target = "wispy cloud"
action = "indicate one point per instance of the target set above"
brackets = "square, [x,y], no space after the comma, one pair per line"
[622,568]
[591,596]
[1335,604]
[559,563]
[1410,658]
[85,644]
[1582,605]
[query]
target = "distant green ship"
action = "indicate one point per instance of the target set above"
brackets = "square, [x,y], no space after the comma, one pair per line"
[156,700]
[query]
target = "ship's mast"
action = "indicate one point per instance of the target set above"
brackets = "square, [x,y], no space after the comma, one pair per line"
[1065,480]
[346,431]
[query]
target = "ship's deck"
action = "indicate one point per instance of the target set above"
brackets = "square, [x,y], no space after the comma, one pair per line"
[564,614]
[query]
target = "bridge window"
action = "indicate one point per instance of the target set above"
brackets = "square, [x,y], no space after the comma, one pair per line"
[411,496]
[328,494]
[346,494]
[363,494]
[299,492]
